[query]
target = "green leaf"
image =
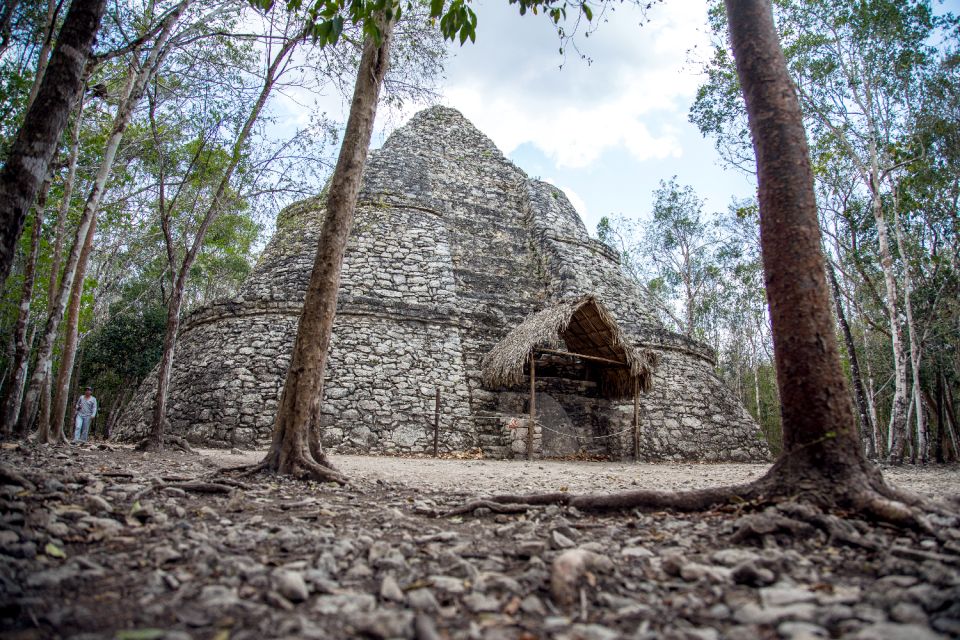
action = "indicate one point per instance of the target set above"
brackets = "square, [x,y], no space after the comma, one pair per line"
[54,551]
[436,8]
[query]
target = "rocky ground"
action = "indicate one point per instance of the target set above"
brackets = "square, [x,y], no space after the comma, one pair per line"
[110,543]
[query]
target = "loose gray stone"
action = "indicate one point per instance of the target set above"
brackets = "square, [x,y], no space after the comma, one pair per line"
[533,605]
[755,614]
[422,600]
[390,590]
[909,613]
[344,603]
[97,504]
[291,585]
[561,541]
[801,631]
[384,624]
[479,603]
[778,596]
[893,631]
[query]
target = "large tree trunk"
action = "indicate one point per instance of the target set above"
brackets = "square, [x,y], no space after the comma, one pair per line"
[32,150]
[296,448]
[154,439]
[21,357]
[819,432]
[866,425]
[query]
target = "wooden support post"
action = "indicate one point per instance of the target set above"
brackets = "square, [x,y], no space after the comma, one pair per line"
[636,420]
[436,422]
[533,404]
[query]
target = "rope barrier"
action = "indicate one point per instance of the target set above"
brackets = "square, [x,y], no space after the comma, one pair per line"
[580,438]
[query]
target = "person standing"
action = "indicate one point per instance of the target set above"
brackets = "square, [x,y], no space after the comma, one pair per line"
[86,410]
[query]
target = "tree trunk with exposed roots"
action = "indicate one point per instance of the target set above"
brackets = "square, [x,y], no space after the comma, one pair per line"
[296,448]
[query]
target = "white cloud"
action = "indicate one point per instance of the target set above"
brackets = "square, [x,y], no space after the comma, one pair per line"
[634,94]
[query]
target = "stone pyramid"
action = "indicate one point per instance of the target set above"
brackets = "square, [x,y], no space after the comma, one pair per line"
[453,246]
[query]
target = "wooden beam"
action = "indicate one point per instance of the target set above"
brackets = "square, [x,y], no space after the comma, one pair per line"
[636,420]
[533,404]
[580,355]
[436,422]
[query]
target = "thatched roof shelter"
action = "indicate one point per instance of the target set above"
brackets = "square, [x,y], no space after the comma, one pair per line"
[589,331]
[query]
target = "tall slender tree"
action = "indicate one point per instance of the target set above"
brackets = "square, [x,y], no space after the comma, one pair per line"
[296,449]
[179,269]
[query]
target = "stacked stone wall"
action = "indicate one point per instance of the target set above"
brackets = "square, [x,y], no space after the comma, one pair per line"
[452,247]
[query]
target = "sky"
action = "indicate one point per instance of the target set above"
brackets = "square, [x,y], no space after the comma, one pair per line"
[607,130]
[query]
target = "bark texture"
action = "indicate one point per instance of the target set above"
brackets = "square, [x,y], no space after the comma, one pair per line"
[64,209]
[296,448]
[32,150]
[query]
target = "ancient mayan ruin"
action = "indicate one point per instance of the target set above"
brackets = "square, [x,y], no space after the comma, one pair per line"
[453,248]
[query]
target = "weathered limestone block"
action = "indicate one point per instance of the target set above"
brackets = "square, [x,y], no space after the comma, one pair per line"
[452,247]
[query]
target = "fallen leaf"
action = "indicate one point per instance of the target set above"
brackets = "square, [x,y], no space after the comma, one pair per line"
[54,551]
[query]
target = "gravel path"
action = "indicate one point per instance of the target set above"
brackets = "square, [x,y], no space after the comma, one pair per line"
[510,476]
[104,542]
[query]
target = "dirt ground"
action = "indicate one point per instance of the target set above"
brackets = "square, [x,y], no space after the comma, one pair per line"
[102,542]
[512,476]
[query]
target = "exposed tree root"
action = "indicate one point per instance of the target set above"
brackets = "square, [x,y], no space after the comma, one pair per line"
[307,469]
[9,476]
[697,500]
[803,504]
[302,469]
[178,443]
[193,486]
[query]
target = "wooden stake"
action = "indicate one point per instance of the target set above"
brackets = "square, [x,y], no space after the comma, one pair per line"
[636,419]
[436,422]
[533,404]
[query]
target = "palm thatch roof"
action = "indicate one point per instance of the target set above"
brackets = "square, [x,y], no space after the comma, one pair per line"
[587,328]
